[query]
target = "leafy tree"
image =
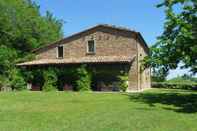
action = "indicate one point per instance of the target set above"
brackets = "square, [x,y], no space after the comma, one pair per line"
[178,43]
[159,75]
[23,28]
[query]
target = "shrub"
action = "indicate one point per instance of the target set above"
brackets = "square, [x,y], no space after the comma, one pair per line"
[66,76]
[50,79]
[123,82]
[16,80]
[83,82]
[182,80]
[4,83]
[187,86]
[34,76]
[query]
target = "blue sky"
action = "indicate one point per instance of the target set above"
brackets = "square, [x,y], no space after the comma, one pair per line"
[139,15]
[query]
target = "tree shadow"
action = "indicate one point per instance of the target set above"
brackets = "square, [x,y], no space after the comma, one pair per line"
[184,102]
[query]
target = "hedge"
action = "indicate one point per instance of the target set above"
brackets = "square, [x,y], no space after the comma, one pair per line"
[186,86]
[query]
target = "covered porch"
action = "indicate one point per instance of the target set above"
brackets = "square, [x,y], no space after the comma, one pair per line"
[105,72]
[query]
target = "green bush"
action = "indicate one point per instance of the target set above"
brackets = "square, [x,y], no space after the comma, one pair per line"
[12,80]
[16,80]
[50,79]
[4,82]
[187,86]
[66,75]
[84,77]
[123,82]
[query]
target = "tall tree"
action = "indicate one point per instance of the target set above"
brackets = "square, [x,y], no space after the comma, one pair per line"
[23,28]
[178,43]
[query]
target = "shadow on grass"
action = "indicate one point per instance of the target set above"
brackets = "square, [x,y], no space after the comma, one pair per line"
[184,102]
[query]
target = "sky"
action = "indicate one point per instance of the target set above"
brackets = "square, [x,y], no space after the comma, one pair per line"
[138,15]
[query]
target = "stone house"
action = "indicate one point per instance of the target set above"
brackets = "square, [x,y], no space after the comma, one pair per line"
[107,47]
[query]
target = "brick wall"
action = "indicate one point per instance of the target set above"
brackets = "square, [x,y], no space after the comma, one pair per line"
[144,76]
[107,44]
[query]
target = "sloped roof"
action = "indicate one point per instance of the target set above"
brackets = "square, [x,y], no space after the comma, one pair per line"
[94,28]
[88,59]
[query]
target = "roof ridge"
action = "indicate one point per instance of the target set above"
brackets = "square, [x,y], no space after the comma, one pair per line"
[118,27]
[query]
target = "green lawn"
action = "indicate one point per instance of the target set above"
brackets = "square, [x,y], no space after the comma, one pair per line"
[152,110]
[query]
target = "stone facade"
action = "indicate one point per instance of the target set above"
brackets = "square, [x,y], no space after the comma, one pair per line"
[109,41]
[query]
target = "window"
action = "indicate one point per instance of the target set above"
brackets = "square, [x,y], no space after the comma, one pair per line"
[91,46]
[60,52]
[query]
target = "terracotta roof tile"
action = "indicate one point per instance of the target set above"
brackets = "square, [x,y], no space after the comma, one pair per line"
[99,59]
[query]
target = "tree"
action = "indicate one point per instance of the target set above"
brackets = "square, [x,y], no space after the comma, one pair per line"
[159,75]
[178,43]
[22,29]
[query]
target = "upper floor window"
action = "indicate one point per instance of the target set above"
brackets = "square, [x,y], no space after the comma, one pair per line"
[60,52]
[91,46]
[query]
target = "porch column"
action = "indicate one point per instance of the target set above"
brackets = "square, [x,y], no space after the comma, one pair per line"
[133,77]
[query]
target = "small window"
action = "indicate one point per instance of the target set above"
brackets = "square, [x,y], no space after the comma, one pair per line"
[60,52]
[91,46]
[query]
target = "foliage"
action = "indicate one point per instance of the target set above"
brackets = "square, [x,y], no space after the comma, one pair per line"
[50,80]
[16,80]
[66,75]
[171,85]
[34,76]
[13,76]
[83,82]
[158,75]
[13,79]
[185,79]
[23,28]
[4,82]
[180,82]
[189,77]
[178,43]
[123,82]
[7,55]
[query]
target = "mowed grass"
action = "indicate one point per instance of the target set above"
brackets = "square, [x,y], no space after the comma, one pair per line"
[152,110]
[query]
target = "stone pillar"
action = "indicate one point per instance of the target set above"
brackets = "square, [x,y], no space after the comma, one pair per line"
[133,77]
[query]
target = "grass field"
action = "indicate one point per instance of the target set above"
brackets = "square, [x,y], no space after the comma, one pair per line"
[152,110]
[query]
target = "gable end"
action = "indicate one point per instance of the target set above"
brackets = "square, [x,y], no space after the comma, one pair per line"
[103,28]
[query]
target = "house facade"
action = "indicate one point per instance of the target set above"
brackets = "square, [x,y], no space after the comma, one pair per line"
[103,47]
